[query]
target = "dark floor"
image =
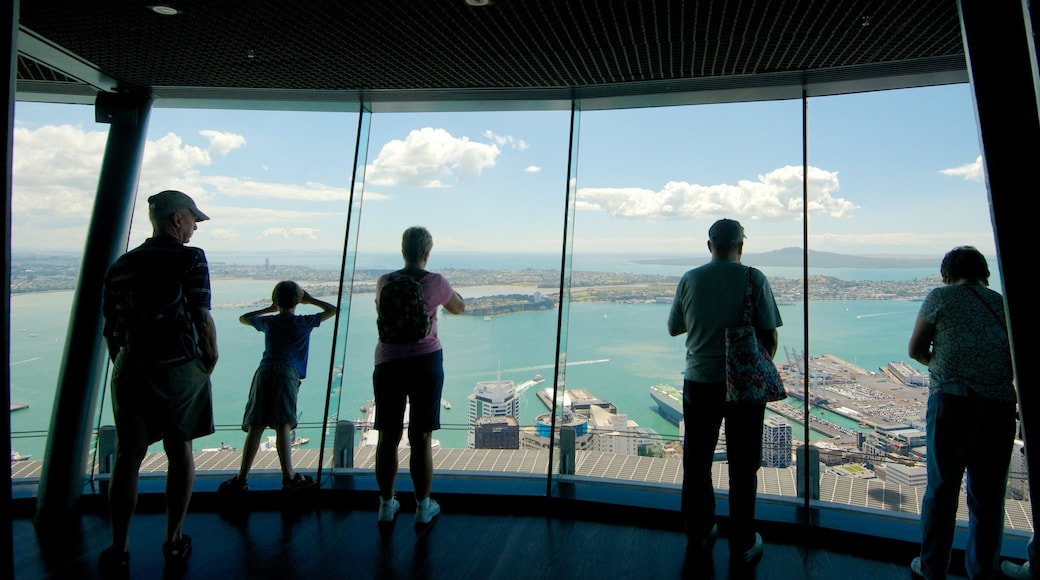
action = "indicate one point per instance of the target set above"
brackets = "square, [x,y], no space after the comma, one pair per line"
[334,535]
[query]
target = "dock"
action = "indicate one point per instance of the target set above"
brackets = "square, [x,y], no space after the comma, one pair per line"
[18,407]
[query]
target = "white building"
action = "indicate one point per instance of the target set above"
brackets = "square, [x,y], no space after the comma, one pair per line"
[900,474]
[776,442]
[491,399]
[615,433]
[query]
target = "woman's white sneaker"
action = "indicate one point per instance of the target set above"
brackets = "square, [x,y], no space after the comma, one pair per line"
[426,510]
[388,509]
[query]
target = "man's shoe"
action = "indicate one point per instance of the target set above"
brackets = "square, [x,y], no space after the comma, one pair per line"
[299,481]
[176,552]
[706,541]
[233,486]
[425,511]
[114,563]
[751,555]
[915,567]
[388,509]
[1016,571]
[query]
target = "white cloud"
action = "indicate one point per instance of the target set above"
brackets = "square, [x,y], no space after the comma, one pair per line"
[310,191]
[224,234]
[305,233]
[223,143]
[775,195]
[55,175]
[55,179]
[275,232]
[970,171]
[532,169]
[430,158]
[504,140]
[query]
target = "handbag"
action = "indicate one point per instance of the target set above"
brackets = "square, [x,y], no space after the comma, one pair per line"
[751,376]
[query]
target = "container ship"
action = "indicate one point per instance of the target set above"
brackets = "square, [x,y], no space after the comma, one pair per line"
[669,402]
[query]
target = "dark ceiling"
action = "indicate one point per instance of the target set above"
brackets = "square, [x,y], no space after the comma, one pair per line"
[418,53]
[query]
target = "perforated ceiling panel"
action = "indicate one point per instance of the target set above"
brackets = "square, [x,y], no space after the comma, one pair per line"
[379,45]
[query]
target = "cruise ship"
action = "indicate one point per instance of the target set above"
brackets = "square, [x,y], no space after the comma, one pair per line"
[669,402]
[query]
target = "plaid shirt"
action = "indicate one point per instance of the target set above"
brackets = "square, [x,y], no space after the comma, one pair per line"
[157,253]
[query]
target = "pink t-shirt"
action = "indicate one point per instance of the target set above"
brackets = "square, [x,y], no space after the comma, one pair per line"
[437,291]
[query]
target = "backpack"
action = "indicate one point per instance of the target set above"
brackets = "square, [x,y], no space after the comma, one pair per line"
[160,330]
[402,316]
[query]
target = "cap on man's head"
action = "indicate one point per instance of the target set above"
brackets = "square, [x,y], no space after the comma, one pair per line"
[726,232]
[172,199]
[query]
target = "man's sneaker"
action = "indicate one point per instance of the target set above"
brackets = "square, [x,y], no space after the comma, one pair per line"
[388,509]
[752,554]
[704,542]
[425,511]
[1013,570]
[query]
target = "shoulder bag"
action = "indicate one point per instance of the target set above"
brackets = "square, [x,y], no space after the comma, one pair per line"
[751,376]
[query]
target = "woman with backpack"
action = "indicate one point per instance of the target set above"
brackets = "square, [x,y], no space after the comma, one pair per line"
[409,370]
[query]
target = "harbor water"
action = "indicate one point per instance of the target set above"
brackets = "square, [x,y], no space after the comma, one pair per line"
[614,351]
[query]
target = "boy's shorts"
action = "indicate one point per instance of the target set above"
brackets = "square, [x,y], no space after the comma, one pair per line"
[418,381]
[272,397]
[151,404]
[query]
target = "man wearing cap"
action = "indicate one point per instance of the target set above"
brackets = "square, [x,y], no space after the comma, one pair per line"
[709,299]
[158,397]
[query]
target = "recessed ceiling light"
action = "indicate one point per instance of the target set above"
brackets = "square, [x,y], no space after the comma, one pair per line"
[164,10]
[478,2]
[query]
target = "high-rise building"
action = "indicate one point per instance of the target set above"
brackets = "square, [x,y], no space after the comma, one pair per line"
[616,433]
[491,399]
[776,443]
[496,433]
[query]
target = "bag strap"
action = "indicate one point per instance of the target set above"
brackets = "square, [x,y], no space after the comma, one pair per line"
[1000,319]
[747,300]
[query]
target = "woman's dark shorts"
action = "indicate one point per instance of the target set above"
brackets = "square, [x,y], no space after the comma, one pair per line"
[272,397]
[417,381]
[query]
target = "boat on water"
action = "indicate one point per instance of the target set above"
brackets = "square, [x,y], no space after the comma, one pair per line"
[446,404]
[15,456]
[271,444]
[669,402]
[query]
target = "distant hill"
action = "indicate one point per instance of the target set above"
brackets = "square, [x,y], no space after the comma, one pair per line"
[792,257]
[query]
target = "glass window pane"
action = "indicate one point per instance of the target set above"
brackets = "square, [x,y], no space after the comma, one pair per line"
[275,185]
[906,168]
[489,188]
[57,159]
[650,184]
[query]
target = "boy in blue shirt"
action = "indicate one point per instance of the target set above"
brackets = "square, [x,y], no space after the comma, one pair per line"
[276,383]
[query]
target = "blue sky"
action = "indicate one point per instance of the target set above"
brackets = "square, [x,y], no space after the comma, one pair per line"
[892,172]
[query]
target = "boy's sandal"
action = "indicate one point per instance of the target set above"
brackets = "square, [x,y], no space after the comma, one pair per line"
[299,481]
[177,551]
[233,485]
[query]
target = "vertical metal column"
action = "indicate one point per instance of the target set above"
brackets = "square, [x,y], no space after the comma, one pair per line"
[10,24]
[997,41]
[79,378]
